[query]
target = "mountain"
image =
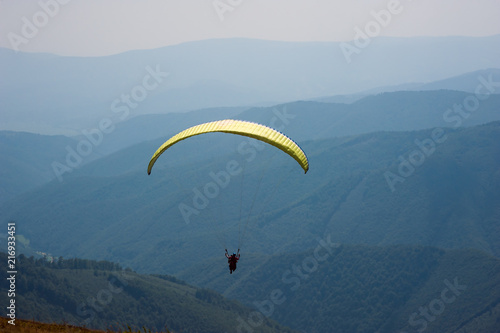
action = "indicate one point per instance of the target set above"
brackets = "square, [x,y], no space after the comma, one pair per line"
[467,82]
[329,287]
[102,295]
[30,160]
[308,120]
[437,187]
[334,287]
[52,94]
[301,120]
[395,111]
[26,160]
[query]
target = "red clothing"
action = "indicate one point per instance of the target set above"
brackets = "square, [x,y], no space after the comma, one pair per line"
[232,258]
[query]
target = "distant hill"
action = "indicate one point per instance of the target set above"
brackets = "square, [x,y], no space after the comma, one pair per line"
[346,288]
[467,82]
[102,295]
[38,93]
[27,165]
[26,160]
[394,111]
[361,189]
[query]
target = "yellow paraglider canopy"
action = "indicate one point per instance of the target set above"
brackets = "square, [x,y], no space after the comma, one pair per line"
[239,127]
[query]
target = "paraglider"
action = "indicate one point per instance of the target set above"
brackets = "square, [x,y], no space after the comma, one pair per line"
[243,128]
[232,260]
[239,127]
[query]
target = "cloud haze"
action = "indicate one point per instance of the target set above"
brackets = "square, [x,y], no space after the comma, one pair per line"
[95,28]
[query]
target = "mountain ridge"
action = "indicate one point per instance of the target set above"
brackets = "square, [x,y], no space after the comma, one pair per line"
[345,193]
[102,295]
[254,71]
[356,288]
[301,120]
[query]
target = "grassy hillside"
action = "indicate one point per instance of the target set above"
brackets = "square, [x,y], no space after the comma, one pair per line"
[31,326]
[102,295]
[347,288]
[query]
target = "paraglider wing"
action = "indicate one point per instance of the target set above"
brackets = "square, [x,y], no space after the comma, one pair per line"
[239,127]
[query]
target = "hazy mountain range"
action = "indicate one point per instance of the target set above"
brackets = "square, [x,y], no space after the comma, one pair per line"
[57,95]
[31,160]
[400,203]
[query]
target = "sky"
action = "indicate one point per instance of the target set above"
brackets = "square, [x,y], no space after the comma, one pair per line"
[104,27]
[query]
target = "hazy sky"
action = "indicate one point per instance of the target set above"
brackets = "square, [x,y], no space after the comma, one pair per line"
[101,27]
